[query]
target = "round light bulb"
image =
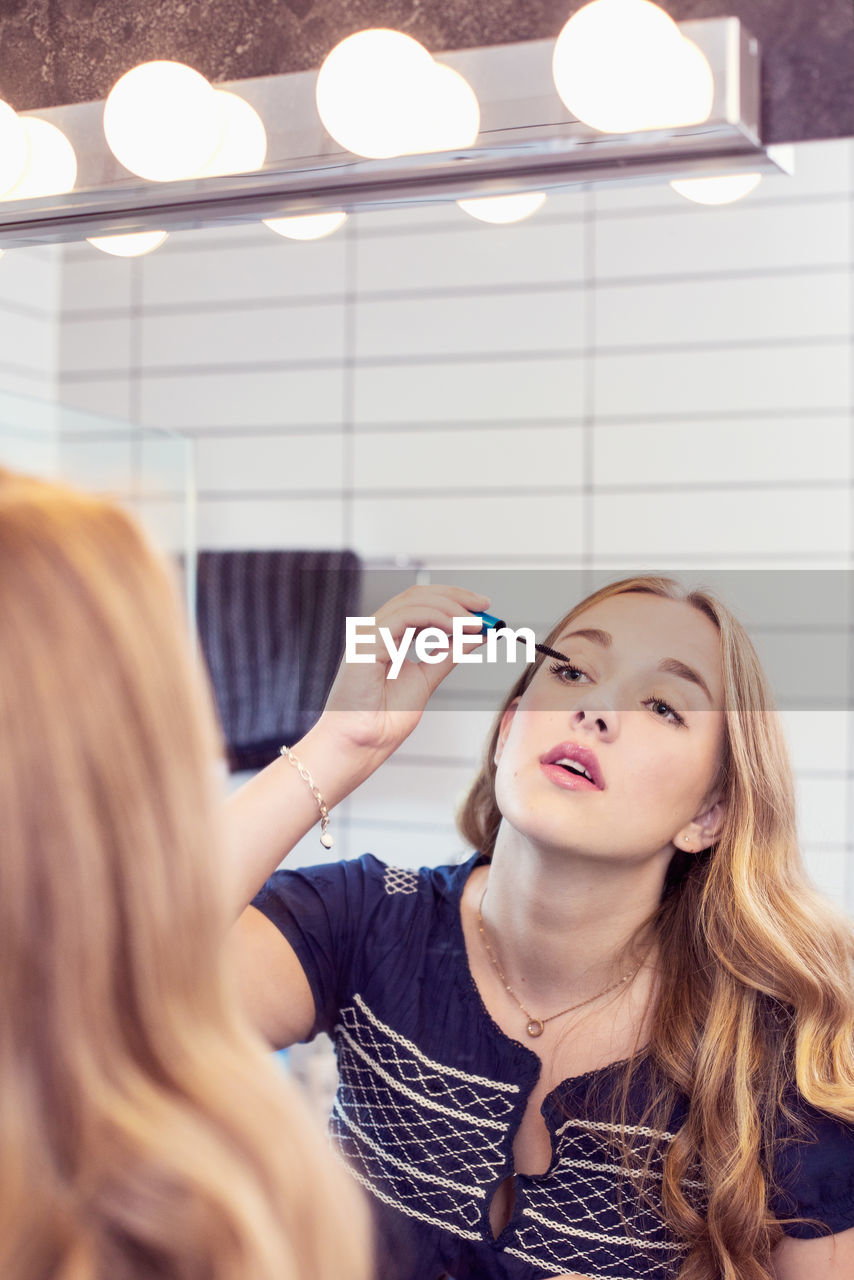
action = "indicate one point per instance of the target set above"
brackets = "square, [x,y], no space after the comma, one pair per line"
[622,66]
[243,142]
[133,245]
[380,94]
[162,121]
[14,148]
[503,209]
[688,94]
[444,114]
[51,167]
[309,226]
[723,190]
[362,86]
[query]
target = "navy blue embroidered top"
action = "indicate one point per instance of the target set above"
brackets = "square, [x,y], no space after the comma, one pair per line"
[432,1092]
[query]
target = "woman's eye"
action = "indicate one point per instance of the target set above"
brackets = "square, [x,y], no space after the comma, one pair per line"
[655,703]
[565,671]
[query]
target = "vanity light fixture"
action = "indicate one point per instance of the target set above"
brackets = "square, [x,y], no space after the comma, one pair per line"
[504,209]
[129,246]
[622,66]
[723,190]
[380,94]
[311,226]
[527,142]
[51,167]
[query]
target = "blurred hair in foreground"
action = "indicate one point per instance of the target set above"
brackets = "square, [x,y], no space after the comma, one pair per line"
[146,1133]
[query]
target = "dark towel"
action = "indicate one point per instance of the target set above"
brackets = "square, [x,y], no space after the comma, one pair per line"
[271,625]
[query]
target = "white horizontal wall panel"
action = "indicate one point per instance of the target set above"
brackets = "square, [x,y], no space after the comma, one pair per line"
[255,524]
[468,526]
[465,390]
[461,457]
[493,323]
[695,240]
[788,378]
[729,450]
[241,399]
[809,305]
[742,523]
[264,463]
[197,270]
[285,334]
[529,252]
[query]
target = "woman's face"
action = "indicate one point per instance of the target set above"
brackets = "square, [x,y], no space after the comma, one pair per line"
[652,737]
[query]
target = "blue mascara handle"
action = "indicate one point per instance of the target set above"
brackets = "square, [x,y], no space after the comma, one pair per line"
[490,623]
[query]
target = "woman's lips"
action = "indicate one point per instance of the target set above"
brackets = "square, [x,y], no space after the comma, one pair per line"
[569,753]
[562,777]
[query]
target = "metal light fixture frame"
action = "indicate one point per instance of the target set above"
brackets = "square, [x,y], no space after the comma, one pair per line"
[527,141]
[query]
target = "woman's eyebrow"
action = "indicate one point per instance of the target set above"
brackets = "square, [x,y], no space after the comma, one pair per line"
[672,665]
[681,669]
[603,638]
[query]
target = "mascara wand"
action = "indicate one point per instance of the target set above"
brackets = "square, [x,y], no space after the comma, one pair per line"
[491,623]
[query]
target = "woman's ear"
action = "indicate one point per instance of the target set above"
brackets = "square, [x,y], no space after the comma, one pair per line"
[506,721]
[705,828]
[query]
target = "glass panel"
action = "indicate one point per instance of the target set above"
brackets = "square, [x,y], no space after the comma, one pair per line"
[147,470]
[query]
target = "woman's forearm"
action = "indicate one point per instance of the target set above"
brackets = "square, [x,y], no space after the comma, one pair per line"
[266,817]
[368,713]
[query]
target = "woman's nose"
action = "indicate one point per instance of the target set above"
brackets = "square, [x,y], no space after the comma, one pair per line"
[594,712]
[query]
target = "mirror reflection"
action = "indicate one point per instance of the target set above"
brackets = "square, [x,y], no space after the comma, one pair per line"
[623,383]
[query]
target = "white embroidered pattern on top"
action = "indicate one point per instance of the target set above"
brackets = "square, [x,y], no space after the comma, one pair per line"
[425,1138]
[400,880]
[571,1220]
[432,1142]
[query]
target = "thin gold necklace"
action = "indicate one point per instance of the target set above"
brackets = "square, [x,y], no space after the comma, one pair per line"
[536,1026]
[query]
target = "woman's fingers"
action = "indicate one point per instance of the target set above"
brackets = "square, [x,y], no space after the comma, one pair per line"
[381,693]
[438,594]
[392,626]
[434,673]
[415,634]
[428,607]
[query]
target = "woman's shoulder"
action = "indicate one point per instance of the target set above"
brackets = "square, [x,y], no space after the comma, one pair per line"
[393,880]
[365,887]
[368,875]
[813,1167]
[363,924]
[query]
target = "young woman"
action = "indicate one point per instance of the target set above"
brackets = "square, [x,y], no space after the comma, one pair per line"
[136,1103]
[618,1041]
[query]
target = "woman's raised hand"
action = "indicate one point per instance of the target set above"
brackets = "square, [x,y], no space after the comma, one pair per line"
[367,715]
[376,702]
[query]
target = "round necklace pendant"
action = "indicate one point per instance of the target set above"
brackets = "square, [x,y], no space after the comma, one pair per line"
[534,1027]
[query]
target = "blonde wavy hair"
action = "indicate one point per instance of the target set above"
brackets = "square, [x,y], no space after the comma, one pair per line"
[756,972]
[146,1133]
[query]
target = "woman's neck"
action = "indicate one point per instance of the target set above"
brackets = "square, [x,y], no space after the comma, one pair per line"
[558,921]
